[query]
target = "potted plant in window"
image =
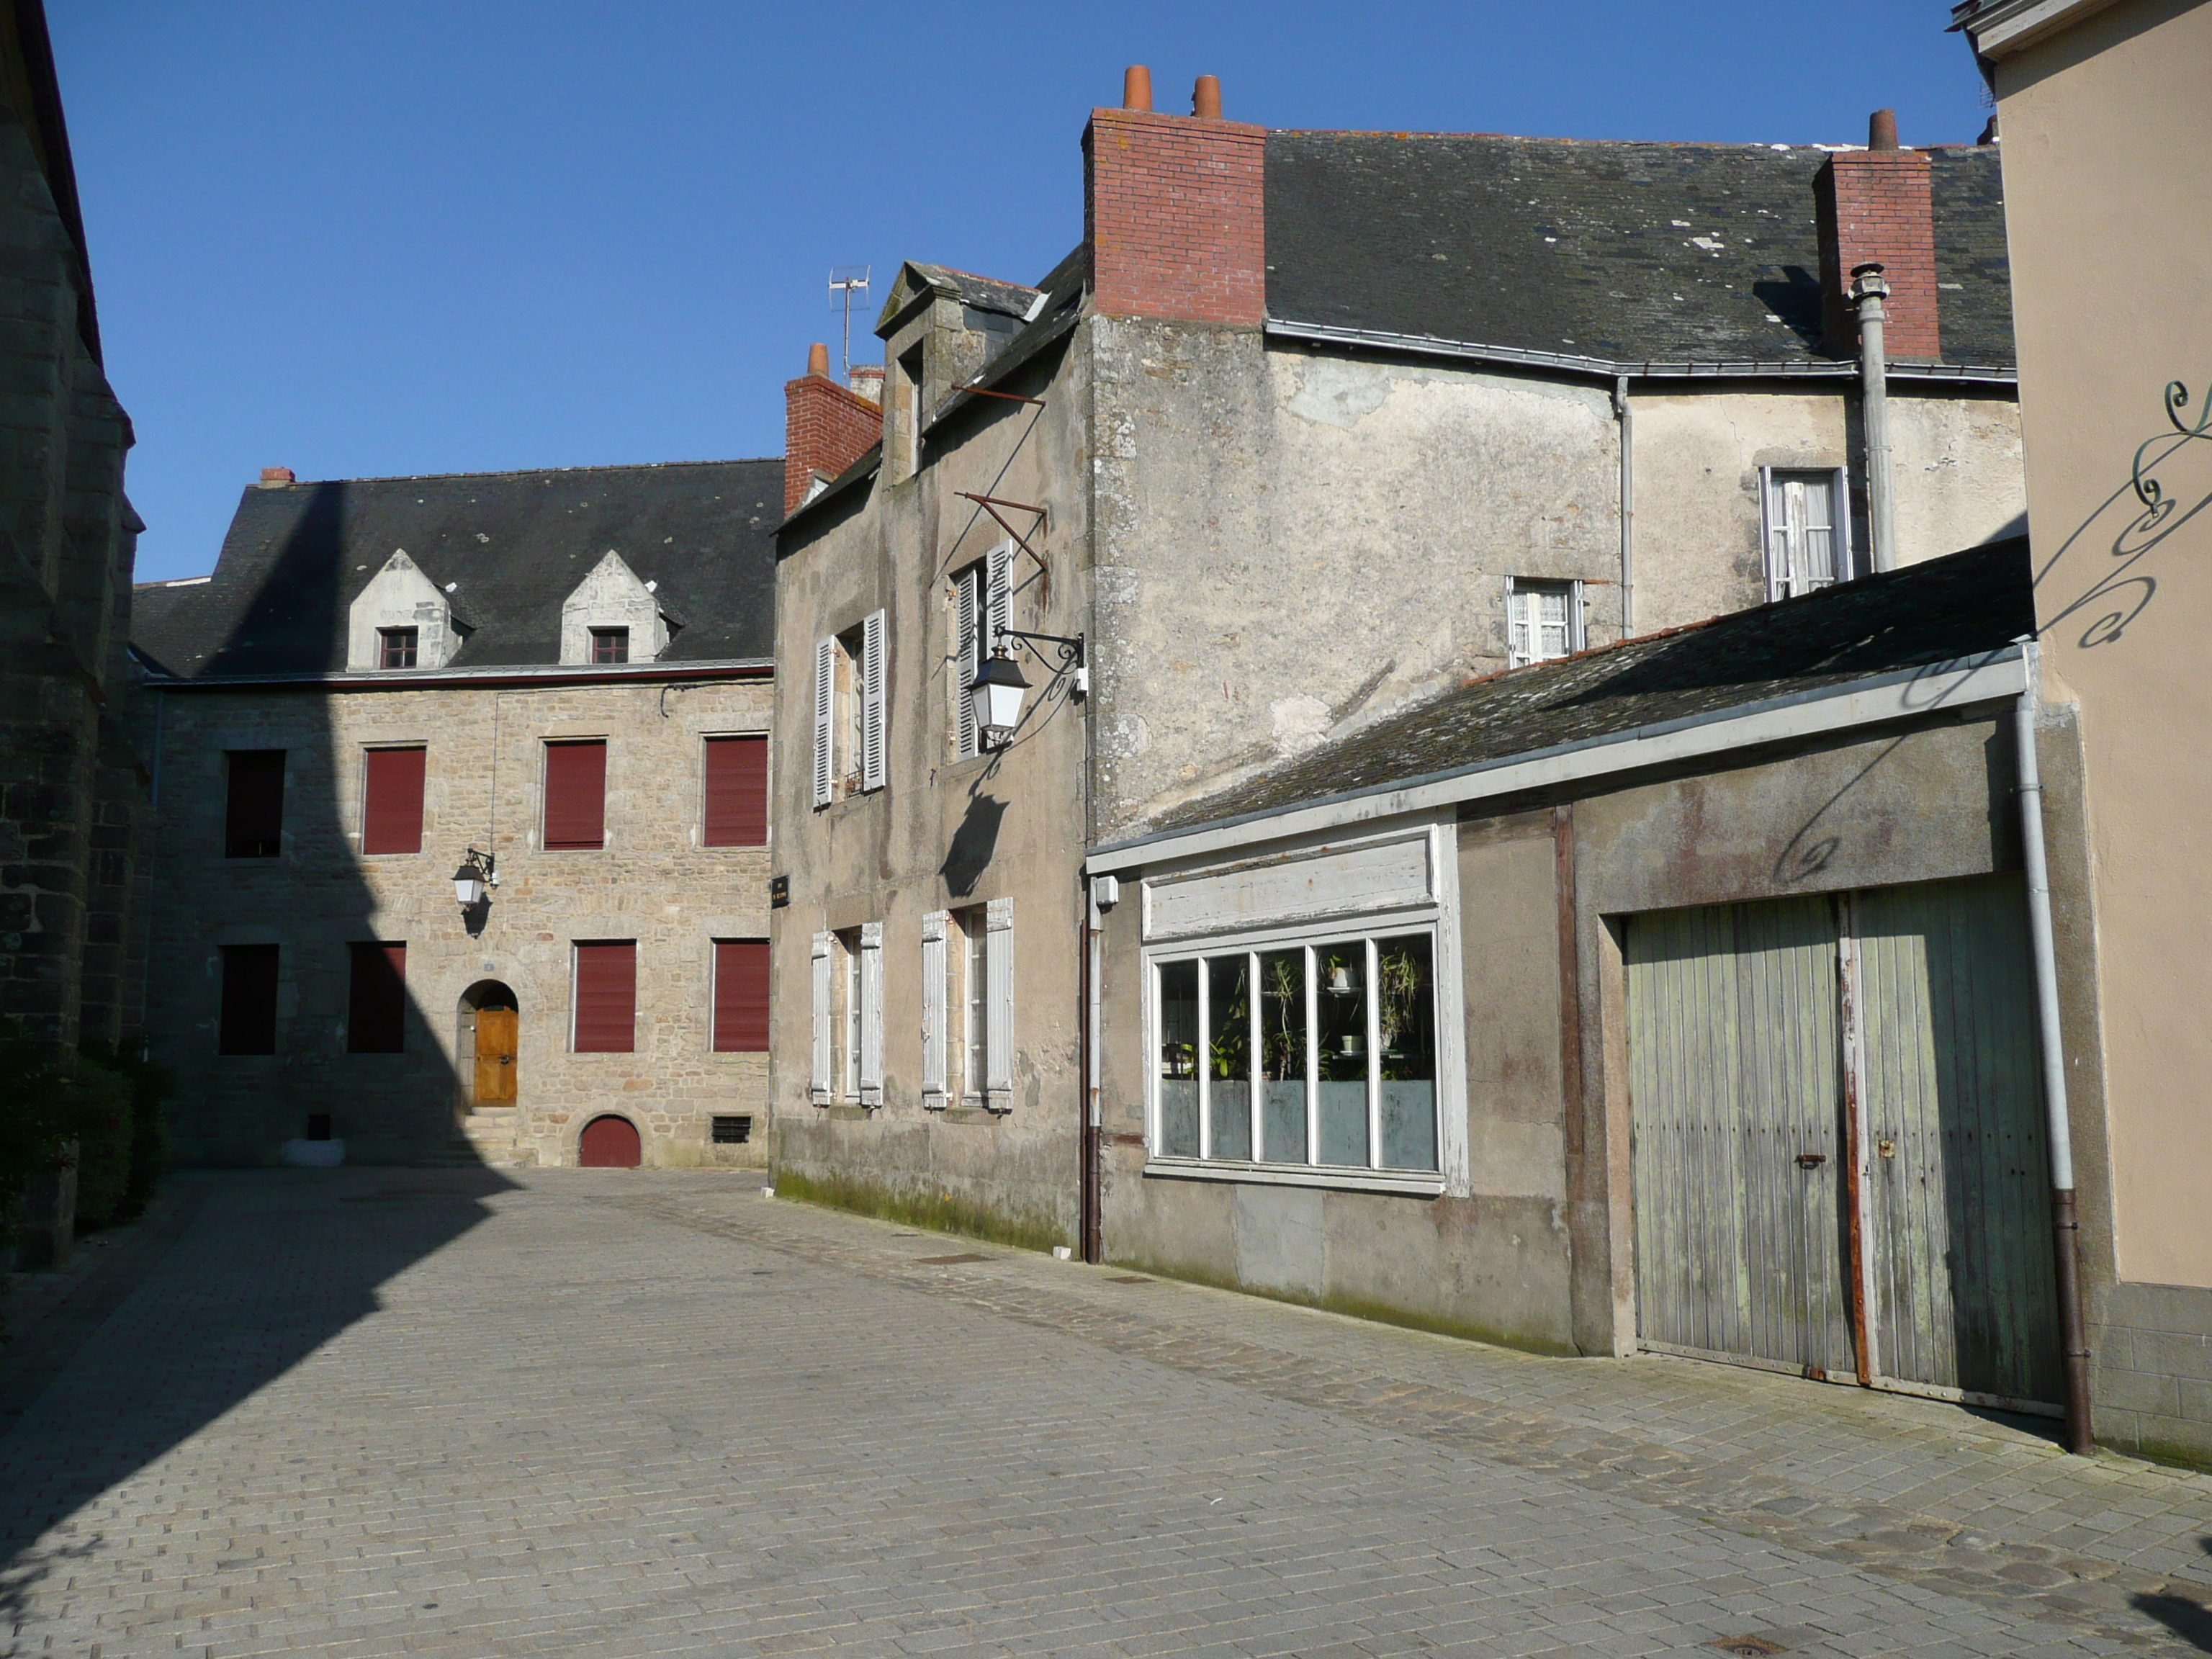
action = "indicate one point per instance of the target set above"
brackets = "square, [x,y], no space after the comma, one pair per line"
[1398,976]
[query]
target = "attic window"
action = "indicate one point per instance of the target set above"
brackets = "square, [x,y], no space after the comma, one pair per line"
[609,645]
[396,646]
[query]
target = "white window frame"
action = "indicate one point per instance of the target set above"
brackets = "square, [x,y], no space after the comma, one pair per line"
[1778,581]
[851,704]
[983,604]
[1517,587]
[1438,915]
[870,988]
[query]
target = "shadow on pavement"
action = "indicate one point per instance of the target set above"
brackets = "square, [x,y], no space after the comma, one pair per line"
[265,1267]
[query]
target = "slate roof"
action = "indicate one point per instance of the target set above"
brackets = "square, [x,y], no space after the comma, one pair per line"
[1960,606]
[1631,252]
[513,545]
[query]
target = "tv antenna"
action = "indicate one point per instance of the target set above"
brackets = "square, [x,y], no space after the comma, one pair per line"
[844,282]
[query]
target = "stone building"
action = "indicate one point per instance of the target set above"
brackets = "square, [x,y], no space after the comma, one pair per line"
[561,679]
[1311,427]
[72,788]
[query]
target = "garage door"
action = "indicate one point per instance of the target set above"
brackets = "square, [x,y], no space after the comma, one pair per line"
[1834,1105]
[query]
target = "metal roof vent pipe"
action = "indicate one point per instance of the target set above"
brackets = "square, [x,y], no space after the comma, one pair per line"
[1869,290]
[1881,130]
[1137,88]
[1206,98]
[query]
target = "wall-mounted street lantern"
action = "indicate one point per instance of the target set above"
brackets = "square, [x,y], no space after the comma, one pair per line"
[474,880]
[999,687]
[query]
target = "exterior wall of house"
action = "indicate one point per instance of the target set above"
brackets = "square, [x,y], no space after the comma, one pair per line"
[1699,552]
[2104,130]
[653,882]
[943,833]
[1531,1243]
[1290,542]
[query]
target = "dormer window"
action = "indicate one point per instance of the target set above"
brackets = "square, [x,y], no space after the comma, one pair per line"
[613,615]
[396,647]
[609,645]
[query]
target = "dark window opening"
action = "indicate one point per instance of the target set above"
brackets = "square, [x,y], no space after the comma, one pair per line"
[253,819]
[610,645]
[395,647]
[376,1006]
[110,867]
[318,1126]
[247,1025]
[733,1131]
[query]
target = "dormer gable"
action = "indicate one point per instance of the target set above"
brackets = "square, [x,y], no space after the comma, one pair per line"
[612,596]
[400,597]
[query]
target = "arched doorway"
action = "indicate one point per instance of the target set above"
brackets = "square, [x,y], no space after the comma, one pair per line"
[608,1143]
[490,1042]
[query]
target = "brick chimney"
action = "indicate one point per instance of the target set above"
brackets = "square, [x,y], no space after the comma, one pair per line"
[825,427]
[1173,210]
[1875,208]
[275,477]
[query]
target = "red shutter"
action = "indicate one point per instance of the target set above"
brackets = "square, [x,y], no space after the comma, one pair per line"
[376,1009]
[741,996]
[576,797]
[392,801]
[736,792]
[253,825]
[249,1000]
[606,997]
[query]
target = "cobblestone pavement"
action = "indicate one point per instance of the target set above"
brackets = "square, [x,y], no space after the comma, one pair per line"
[609,1412]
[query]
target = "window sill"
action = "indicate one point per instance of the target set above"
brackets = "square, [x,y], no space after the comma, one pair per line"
[1411,1183]
[970,1115]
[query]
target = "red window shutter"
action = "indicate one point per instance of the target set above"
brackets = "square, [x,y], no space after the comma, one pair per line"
[576,797]
[606,997]
[392,801]
[253,824]
[736,792]
[741,996]
[376,1009]
[248,1024]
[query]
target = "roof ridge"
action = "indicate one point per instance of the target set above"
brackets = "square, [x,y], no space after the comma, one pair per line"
[530,472]
[1825,148]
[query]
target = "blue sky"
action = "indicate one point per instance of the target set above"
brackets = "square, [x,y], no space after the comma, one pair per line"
[367,239]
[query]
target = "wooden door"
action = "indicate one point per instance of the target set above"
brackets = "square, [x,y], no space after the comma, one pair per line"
[496,1030]
[1965,1292]
[608,1143]
[1735,1084]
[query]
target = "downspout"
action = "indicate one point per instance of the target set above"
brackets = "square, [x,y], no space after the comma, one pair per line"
[1627,416]
[1093,1229]
[2065,1227]
[1869,289]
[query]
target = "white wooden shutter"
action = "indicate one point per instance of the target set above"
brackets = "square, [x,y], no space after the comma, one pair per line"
[998,967]
[872,1013]
[933,1010]
[965,601]
[871,708]
[825,709]
[818,1077]
[1002,594]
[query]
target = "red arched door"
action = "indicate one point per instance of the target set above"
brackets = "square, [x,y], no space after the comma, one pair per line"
[608,1143]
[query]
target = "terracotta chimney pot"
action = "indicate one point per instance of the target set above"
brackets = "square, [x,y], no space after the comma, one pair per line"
[1881,130]
[817,360]
[1137,88]
[1206,98]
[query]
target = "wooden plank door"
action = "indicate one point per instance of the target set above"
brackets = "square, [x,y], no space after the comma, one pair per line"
[496,1030]
[1964,1288]
[1735,1069]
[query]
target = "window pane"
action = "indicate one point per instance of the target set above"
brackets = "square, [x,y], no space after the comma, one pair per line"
[1179,1060]
[1229,1054]
[1283,1056]
[1343,1016]
[1405,1018]
[972,923]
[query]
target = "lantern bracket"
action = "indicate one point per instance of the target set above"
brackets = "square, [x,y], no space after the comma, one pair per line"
[1069,651]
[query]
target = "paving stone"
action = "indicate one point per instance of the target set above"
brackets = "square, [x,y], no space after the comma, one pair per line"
[613,1413]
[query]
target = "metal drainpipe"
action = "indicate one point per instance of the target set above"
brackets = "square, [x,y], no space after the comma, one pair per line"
[1869,289]
[2065,1227]
[1627,416]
